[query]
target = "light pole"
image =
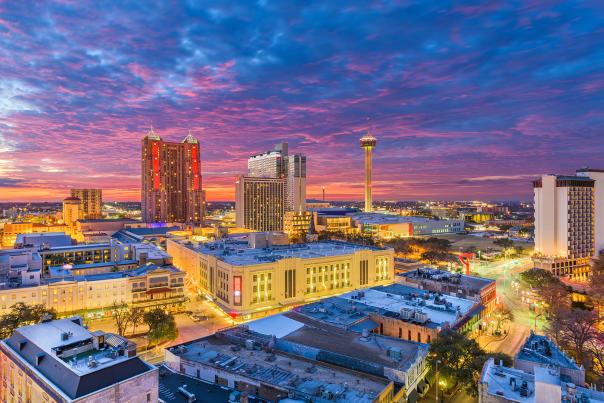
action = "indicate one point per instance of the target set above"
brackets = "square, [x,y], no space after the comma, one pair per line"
[536,316]
[437,362]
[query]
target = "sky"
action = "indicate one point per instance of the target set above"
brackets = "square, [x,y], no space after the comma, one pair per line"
[468,100]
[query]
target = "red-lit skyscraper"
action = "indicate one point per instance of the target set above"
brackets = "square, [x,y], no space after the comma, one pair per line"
[171,180]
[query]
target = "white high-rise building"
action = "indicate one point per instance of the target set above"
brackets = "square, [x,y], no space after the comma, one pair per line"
[259,203]
[277,163]
[598,176]
[564,225]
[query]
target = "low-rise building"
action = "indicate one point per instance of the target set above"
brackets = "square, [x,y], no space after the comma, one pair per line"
[249,279]
[499,384]
[39,239]
[296,223]
[61,361]
[294,356]
[540,351]
[95,295]
[409,313]
[479,289]
[388,226]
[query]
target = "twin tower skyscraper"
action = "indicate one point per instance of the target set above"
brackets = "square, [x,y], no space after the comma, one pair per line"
[275,184]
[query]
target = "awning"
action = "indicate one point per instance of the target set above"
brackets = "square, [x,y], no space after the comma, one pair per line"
[367,324]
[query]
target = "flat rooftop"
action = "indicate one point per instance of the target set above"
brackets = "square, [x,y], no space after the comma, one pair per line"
[448,277]
[170,381]
[226,351]
[381,218]
[439,308]
[542,350]
[239,253]
[499,380]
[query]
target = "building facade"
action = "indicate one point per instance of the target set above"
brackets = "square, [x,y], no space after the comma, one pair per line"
[598,176]
[72,210]
[171,180]
[61,361]
[564,225]
[297,223]
[259,203]
[94,295]
[92,202]
[250,281]
[277,163]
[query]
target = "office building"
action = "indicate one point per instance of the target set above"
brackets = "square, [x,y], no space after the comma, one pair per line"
[92,202]
[598,176]
[368,143]
[277,163]
[302,358]
[297,223]
[564,225]
[72,210]
[499,384]
[61,361]
[259,203]
[252,277]
[171,180]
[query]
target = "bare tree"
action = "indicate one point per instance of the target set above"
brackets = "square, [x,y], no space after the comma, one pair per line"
[135,318]
[575,328]
[120,315]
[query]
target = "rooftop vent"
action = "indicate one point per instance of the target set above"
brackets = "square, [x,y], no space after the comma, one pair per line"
[66,335]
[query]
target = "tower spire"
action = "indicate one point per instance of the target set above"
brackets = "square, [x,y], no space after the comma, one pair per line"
[368,142]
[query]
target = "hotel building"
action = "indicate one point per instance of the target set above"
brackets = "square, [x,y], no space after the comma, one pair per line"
[255,277]
[277,163]
[92,202]
[259,203]
[564,225]
[598,176]
[171,180]
[72,211]
[61,361]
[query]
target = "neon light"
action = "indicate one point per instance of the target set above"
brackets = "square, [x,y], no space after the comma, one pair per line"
[155,154]
[195,168]
[237,290]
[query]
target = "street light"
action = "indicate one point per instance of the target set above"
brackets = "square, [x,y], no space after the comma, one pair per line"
[437,362]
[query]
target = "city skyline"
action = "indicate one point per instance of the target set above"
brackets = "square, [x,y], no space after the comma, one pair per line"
[467,101]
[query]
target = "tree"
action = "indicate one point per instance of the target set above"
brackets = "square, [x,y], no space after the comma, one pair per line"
[135,318]
[120,316]
[21,315]
[547,286]
[461,359]
[502,315]
[504,243]
[162,325]
[573,329]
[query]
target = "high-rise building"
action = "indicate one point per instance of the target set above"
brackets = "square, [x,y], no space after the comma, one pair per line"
[171,180]
[368,142]
[598,176]
[259,203]
[277,163]
[72,210]
[92,202]
[564,225]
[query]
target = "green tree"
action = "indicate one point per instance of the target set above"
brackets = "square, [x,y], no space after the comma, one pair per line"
[21,315]
[504,243]
[502,315]
[162,326]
